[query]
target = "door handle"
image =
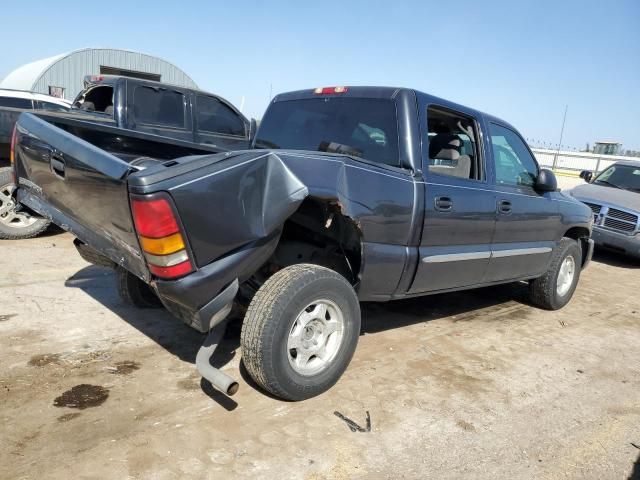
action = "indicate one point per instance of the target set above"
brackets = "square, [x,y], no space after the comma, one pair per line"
[443,204]
[58,166]
[504,206]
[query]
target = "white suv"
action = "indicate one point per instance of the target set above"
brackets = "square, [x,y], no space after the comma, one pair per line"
[31,100]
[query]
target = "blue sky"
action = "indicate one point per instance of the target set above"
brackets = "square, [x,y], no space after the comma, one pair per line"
[521,60]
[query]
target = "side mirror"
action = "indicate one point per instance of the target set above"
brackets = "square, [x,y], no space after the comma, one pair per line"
[586,175]
[546,181]
[253,128]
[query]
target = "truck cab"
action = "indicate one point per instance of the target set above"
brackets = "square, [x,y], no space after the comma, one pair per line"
[165,110]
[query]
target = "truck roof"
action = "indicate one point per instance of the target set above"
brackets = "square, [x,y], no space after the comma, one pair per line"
[112,79]
[388,93]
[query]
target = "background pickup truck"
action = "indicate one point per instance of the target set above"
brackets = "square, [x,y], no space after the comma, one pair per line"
[350,194]
[166,110]
[197,121]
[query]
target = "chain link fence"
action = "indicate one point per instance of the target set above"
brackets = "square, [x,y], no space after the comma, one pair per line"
[576,161]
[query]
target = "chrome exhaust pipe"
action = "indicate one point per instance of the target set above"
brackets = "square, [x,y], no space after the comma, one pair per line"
[220,380]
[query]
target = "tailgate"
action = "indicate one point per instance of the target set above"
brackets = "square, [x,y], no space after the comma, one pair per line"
[82,188]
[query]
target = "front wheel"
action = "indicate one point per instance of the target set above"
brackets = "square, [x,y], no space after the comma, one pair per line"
[300,331]
[554,289]
[16,222]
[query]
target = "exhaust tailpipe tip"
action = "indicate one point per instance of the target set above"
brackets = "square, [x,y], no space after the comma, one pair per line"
[220,380]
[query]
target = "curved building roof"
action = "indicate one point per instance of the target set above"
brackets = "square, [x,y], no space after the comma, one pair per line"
[27,75]
[68,70]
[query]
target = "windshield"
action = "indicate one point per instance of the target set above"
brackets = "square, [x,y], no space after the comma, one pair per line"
[360,127]
[626,177]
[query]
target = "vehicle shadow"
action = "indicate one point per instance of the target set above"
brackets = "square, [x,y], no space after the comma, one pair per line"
[615,259]
[51,231]
[183,342]
[463,306]
[635,474]
[158,325]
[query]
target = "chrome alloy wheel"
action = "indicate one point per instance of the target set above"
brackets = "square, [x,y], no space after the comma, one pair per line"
[10,215]
[565,276]
[315,337]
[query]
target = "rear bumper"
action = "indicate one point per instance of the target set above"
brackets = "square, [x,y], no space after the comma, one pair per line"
[203,298]
[627,244]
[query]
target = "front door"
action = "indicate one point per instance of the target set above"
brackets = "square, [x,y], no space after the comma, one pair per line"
[527,221]
[460,207]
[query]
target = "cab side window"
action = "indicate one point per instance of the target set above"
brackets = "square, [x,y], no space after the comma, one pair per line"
[215,117]
[159,106]
[514,164]
[453,148]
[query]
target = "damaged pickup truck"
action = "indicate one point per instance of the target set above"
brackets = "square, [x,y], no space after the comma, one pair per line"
[347,195]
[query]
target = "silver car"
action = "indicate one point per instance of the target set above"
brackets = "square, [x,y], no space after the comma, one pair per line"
[614,198]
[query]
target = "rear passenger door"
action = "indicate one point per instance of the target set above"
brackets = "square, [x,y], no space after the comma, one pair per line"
[164,111]
[527,221]
[460,206]
[219,124]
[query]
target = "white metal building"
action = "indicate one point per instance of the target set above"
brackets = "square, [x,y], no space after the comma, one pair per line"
[62,75]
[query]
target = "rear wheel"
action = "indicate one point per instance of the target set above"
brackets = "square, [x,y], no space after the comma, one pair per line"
[555,288]
[300,331]
[134,291]
[16,222]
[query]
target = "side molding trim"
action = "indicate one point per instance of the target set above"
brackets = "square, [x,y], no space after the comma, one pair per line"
[458,257]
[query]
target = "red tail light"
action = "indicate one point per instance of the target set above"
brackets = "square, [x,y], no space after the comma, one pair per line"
[12,153]
[154,218]
[160,236]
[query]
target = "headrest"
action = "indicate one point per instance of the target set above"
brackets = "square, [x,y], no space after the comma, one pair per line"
[445,146]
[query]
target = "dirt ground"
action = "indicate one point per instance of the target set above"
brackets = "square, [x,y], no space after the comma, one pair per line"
[466,385]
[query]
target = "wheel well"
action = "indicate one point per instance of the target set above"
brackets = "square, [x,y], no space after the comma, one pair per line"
[577,233]
[319,233]
[581,234]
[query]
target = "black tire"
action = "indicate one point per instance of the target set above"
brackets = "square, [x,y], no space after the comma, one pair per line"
[271,317]
[16,229]
[134,291]
[90,255]
[543,291]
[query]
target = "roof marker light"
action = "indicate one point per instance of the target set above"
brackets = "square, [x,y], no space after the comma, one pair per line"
[329,90]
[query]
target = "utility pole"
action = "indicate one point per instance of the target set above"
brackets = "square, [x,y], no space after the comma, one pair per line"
[555,157]
[270,92]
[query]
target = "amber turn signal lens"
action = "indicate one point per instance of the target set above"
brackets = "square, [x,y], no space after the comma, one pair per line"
[162,246]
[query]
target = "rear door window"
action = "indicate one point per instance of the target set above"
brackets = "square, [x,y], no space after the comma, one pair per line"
[453,150]
[360,127]
[216,117]
[159,106]
[12,102]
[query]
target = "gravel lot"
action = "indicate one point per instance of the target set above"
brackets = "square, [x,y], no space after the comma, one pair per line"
[466,385]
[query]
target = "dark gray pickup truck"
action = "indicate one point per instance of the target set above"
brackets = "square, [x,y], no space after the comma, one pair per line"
[165,110]
[348,194]
[193,119]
